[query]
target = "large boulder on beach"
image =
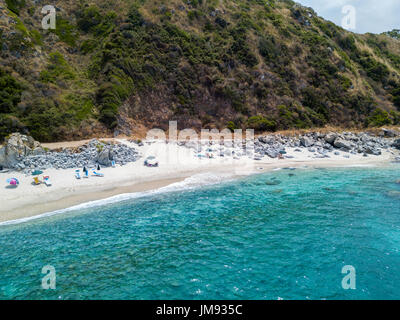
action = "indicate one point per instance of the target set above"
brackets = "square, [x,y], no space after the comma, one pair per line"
[396,144]
[330,137]
[342,144]
[306,142]
[390,133]
[272,153]
[105,157]
[16,147]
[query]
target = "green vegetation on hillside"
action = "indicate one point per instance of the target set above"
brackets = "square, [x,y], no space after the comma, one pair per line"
[15,5]
[265,64]
[10,96]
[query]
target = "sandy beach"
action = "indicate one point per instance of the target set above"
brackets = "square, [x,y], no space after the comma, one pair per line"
[177,163]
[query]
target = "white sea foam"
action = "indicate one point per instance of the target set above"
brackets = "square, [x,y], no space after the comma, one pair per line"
[369,165]
[190,183]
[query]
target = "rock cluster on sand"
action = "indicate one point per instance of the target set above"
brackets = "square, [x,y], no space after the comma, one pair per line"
[396,144]
[320,145]
[16,148]
[89,155]
[323,143]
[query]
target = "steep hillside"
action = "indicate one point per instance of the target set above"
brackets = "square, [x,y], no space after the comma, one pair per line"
[121,66]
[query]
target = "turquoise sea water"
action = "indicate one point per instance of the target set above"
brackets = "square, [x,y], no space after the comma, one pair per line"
[281,235]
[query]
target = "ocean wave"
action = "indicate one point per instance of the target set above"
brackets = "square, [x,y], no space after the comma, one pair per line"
[190,183]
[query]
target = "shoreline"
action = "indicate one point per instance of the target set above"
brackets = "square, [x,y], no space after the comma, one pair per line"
[33,202]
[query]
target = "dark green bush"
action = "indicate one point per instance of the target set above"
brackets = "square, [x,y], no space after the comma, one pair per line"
[89,18]
[15,5]
[379,118]
[66,32]
[259,123]
[231,126]
[316,102]
[241,49]
[57,68]
[10,92]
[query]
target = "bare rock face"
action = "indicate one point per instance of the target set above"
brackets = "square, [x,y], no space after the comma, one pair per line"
[2,156]
[16,147]
[105,157]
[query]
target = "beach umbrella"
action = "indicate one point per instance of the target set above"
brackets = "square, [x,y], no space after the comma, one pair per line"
[37,173]
[13,181]
[98,167]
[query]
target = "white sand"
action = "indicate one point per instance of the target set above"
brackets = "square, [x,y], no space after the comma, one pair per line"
[176,164]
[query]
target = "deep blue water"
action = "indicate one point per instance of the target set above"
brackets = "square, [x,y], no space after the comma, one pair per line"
[268,236]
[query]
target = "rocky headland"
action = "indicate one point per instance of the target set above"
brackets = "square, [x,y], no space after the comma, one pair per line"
[23,153]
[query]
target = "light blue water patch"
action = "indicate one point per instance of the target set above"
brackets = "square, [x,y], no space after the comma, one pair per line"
[285,234]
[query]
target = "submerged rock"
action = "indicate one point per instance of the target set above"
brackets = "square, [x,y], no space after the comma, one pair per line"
[394,193]
[273,182]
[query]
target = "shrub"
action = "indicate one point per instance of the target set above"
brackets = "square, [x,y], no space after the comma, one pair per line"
[315,101]
[231,126]
[394,34]
[396,96]
[259,123]
[379,118]
[89,18]
[241,49]
[15,5]
[135,17]
[348,43]
[10,92]
[66,32]
[57,68]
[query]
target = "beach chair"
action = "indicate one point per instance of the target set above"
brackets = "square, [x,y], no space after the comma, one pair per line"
[113,164]
[86,174]
[77,174]
[96,174]
[36,181]
[47,181]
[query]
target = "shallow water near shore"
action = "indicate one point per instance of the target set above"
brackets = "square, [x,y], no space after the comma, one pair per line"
[279,235]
